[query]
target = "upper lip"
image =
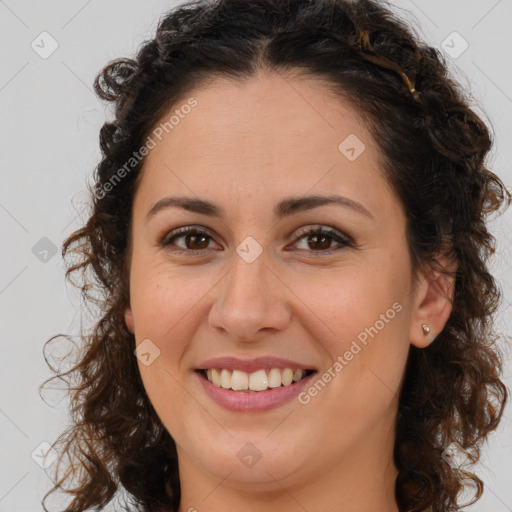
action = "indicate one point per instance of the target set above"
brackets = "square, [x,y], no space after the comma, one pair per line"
[252,365]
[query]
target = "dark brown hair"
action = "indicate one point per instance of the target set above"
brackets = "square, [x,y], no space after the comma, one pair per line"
[433,148]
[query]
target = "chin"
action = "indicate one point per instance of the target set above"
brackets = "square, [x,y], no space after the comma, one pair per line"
[252,465]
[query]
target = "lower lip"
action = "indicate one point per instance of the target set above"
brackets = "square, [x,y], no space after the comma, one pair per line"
[253,402]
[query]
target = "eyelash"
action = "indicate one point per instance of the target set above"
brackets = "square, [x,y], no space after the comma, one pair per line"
[344,240]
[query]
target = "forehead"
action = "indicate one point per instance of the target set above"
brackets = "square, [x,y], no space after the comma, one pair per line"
[273,132]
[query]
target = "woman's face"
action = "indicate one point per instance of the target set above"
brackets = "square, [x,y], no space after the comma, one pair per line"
[253,284]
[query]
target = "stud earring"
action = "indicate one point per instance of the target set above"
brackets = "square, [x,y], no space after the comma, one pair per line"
[426,328]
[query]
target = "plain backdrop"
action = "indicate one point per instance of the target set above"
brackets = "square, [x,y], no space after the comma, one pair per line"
[49,122]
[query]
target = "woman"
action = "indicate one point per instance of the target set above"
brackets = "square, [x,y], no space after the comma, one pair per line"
[288,233]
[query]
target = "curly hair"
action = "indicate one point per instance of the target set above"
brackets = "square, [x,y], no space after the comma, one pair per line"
[433,148]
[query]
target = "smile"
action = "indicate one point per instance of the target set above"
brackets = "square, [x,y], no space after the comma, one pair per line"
[250,400]
[260,380]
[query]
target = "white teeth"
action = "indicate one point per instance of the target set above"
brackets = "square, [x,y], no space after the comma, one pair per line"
[215,377]
[239,380]
[287,377]
[274,378]
[260,380]
[225,379]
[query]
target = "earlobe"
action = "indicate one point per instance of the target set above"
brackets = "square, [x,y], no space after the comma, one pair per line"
[128,318]
[433,308]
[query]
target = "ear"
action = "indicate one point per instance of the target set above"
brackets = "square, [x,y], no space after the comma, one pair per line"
[128,318]
[433,305]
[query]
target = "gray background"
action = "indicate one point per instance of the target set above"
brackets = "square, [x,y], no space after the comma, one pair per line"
[49,126]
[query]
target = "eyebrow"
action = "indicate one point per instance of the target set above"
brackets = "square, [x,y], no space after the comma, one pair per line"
[283,209]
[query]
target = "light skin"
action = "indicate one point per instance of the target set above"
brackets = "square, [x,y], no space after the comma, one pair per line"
[245,147]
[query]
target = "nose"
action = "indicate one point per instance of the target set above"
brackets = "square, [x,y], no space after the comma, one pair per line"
[252,301]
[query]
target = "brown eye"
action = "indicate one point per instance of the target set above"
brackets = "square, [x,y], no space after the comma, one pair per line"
[323,241]
[319,239]
[194,240]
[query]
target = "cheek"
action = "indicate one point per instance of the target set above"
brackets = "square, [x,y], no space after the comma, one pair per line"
[359,317]
[348,301]
[166,303]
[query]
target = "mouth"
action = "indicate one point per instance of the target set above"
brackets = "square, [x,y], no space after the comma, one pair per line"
[256,392]
[255,382]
